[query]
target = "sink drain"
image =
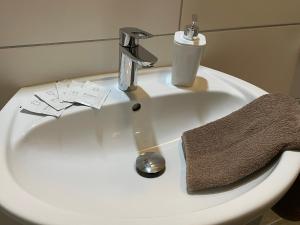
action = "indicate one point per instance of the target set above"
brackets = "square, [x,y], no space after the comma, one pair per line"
[150,164]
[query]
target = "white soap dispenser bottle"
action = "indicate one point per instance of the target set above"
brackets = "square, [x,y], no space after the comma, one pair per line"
[187,53]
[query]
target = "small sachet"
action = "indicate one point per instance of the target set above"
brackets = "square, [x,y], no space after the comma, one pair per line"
[93,95]
[62,89]
[36,106]
[50,97]
[74,90]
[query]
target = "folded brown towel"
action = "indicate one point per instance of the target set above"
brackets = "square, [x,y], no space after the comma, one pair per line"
[231,148]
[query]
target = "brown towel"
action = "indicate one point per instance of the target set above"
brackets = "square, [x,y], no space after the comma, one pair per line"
[231,148]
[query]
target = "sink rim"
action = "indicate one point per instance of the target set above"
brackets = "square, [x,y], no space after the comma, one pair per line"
[258,196]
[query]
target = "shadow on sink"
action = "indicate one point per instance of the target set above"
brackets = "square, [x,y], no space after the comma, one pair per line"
[200,84]
[141,124]
[150,162]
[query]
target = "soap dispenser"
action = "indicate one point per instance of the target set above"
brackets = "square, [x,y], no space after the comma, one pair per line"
[187,53]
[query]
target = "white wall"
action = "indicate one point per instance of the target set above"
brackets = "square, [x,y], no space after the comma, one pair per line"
[48,40]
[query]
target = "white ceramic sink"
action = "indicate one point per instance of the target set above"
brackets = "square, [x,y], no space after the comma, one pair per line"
[79,169]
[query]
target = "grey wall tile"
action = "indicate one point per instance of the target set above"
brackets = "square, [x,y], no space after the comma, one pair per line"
[216,14]
[34,21]
[266,57]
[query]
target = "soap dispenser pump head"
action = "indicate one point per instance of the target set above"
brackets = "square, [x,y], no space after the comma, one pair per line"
[191,31]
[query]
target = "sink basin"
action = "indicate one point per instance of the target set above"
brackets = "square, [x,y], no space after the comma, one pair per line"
[80,168]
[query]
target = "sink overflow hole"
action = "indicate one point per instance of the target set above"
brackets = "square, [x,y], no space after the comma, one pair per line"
[136,107]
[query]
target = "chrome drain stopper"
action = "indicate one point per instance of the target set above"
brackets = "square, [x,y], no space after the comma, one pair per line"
[150,164]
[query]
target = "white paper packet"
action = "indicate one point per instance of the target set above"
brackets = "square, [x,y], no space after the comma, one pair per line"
[92,95]
[74,90]
[62,89]
[50,97]
[35,105]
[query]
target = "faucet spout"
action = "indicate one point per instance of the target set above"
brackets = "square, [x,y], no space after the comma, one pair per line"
[140,56]
[132,56]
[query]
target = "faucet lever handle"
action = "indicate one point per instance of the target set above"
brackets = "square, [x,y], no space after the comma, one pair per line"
[129,36]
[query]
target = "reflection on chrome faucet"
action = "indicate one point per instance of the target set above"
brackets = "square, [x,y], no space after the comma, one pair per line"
[132,56]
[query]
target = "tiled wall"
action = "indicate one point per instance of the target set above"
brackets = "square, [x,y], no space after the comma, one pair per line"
[42,41]
[258,41]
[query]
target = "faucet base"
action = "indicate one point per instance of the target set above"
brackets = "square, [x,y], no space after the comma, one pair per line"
[128,89]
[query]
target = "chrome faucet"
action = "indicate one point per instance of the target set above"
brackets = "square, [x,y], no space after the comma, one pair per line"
[132,56]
